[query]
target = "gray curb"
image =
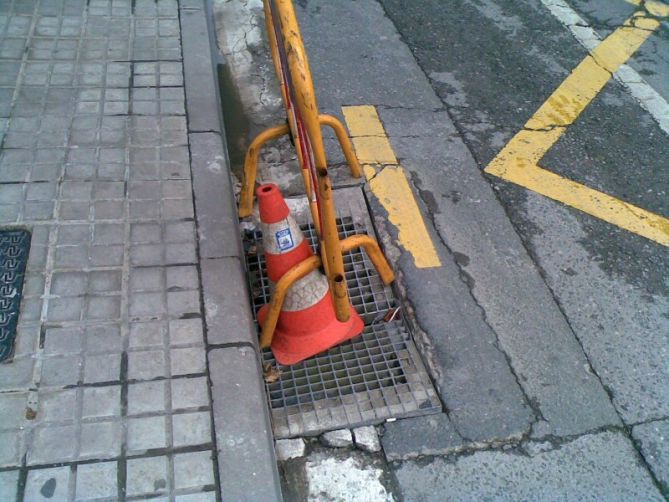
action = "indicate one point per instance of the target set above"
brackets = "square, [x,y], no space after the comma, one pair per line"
[245,447]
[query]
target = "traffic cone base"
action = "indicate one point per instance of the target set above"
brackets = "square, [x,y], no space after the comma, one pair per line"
[307,323]
[290,346]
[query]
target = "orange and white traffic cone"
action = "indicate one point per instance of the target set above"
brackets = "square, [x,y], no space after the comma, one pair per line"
[307,324]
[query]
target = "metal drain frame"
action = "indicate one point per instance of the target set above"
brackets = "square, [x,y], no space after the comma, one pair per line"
[375,376]
[14,252]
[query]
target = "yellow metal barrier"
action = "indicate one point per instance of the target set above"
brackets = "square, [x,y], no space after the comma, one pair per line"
[303,268]
[304,125]
[253,152]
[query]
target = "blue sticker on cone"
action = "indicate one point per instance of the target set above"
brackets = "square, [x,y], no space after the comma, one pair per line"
[284,239]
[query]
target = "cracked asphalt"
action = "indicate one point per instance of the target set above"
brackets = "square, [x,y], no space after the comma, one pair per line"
[545,329]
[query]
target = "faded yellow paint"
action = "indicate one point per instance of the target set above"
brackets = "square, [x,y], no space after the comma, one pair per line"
[518,160]
[591,75]
[374,149]
[599,204]
[618,47]
[524,151]
[391,188]
[655,8]
[370,171]
[369,137]
[570,99]
[363,121]
[389,184]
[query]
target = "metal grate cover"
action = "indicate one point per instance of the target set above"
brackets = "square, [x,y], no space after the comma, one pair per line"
[373,377]
[14,247]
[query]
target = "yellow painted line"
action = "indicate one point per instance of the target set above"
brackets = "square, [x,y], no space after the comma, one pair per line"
[518,160]
[655,8]
[363,121]
[389,184]
[373,150]
[368,135]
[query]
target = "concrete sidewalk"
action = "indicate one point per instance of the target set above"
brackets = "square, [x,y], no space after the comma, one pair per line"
[135,333]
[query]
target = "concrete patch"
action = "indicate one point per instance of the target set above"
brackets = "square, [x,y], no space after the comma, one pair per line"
[367,439]
[337,476]
[414,437]
[331,479]
[287,449]
[594,467]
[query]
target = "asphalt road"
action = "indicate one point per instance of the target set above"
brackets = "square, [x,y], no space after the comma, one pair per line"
[493,64]
[545,328]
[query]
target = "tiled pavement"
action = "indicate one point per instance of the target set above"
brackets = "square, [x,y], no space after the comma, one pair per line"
[107,394]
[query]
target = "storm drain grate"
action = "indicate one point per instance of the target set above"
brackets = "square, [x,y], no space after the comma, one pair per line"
[14,247]
[366,380]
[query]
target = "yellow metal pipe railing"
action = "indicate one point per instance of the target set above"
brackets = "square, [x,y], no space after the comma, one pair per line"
[304,124]
[307,266]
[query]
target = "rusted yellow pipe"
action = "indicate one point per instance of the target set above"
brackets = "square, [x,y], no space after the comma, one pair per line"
[344,142]
[308,185]
[251,167]
[331,248]
[303,98]
[374,252]
[280,290]
[253,154]
[306,103]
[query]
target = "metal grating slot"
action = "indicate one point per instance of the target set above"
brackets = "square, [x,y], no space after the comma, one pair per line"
[375,376]
[366,380]
[14,248]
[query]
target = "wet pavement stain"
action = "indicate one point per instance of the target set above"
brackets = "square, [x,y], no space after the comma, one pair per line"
[48,488]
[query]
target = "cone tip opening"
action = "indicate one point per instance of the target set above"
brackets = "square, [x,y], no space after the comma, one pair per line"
[266,189]
[271,205]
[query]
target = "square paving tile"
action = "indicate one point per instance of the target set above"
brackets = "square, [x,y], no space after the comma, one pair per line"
[97,480]
[193,470]
[146,433]
[48,484]
[191,429]
[146,476]
[9,482]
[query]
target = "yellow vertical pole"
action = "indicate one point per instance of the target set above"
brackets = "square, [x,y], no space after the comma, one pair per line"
[306,103]
[306,177]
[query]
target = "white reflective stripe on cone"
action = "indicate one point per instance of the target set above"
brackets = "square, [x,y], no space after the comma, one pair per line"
[281,237]
[306,292]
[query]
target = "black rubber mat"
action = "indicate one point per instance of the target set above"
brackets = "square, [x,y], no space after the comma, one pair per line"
[14,248]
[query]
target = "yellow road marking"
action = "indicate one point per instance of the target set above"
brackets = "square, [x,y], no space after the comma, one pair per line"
[655,8]
[390,185]
[518,160]
[368,136]
[373,150]
[363,121]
